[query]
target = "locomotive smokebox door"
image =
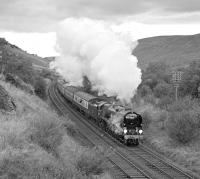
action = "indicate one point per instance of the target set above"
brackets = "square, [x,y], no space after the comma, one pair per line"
[132,119]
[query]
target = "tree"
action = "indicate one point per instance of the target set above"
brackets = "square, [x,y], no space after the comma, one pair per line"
[162,89]
[191,79]
[158,69]
[40,88]
[145,90]
[155,73]
[22,69]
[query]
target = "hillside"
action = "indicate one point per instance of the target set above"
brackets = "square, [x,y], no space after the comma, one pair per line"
[11,51]
[37,143]
[49,59]
[174,50]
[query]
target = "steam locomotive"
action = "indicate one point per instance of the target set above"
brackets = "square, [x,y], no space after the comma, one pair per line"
[117,120]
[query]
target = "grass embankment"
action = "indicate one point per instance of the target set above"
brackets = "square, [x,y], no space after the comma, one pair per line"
[174,131]
[36,143]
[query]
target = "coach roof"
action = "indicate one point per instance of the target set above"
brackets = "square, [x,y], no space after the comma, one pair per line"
[71,89]
[85,96]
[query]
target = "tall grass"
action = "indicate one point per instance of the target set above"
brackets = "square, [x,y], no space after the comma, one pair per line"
[47,133]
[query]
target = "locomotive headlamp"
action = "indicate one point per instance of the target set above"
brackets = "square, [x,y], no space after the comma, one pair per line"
[125,130]
[140,131]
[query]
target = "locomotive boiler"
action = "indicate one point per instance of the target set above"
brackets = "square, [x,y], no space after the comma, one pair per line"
[117,120]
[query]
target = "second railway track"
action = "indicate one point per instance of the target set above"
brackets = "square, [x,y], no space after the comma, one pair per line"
[138,162]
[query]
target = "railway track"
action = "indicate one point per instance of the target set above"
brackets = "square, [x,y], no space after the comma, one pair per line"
[138,162]
[121,166]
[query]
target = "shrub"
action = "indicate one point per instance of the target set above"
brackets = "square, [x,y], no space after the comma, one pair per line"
[183,104]
[147,119]
[71,129]
[47,133]
[40,88]
[136,100]
[19,83]
[183,126]
[162,118]
[162,89]
[184,120]
[145,90]
[21,68]
[45,73]
[164,102]
[89,164]
[150,99]
[29,164]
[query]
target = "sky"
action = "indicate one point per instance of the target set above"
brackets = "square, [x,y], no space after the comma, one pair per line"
[32,24]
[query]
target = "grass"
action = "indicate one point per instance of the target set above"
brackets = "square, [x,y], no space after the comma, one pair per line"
[36,143]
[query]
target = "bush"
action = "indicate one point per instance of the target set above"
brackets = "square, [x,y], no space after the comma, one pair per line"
[183,104]
[45,73]
[89,164]
[40,88]
[183,126]
[162,89]
[71,129]
[145,90]
[162,118]
[164,102]
[19,83]
[184,120]
[21,68]
[146,119]
[47,133]
[150,99]
[21,164]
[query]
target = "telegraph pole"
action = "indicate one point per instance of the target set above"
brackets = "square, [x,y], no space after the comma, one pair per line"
[176,91]
[176,79]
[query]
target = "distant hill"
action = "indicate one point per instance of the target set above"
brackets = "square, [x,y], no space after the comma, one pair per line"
[11,51]
[177,50]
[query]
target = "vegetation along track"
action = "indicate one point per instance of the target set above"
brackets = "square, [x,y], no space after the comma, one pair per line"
[136,162]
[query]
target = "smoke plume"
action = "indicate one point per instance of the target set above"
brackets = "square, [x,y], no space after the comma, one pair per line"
[91,48]
[115,122]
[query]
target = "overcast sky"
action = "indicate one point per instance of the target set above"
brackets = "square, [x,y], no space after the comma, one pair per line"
[31,24]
